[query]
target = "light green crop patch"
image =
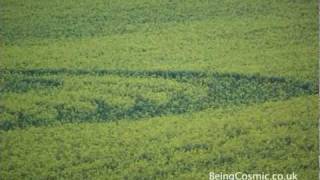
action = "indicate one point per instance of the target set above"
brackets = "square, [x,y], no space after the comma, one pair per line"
[274,137]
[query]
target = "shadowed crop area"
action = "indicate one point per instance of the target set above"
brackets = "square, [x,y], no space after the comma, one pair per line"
[157,89]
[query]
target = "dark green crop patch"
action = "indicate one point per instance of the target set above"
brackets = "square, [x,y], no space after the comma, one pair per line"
[89,19]
[16,84]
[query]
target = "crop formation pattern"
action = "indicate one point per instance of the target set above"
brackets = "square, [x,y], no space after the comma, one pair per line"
[41,97]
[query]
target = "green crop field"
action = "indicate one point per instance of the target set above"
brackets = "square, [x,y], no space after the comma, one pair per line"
[150,89]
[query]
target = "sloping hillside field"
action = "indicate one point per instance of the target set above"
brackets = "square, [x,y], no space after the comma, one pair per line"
[151,89]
